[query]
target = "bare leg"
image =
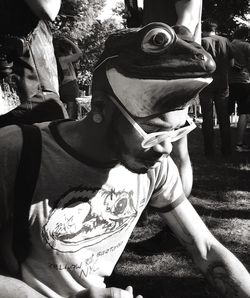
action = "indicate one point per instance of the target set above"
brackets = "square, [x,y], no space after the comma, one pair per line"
[72,109]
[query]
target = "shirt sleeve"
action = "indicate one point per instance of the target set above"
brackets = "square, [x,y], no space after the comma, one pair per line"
[230,50]
[248,56]
[169,191]
[10,149]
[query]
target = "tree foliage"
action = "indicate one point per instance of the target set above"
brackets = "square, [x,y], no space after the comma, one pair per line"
[76,17]
[78,20]
[93,46]
[226,13]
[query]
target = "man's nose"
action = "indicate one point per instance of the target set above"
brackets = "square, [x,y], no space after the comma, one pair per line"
[164,147]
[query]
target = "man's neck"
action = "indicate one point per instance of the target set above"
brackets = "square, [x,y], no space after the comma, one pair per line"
[89,140]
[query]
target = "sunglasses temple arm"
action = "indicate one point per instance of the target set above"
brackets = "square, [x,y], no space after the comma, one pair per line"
[129,118]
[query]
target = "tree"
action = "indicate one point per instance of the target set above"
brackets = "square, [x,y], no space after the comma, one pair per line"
[76,17]
[226,13]
[93,46]
[78,20]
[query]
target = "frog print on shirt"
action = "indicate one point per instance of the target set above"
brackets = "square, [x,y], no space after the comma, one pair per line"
[83,217]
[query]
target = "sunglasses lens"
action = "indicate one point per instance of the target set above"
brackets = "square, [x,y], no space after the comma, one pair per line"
[149,142]
[156,138]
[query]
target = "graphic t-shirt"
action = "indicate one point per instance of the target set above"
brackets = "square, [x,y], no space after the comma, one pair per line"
[82,216]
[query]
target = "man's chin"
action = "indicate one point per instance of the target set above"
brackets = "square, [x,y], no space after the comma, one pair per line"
[139,169]
[134,169]
[139,166]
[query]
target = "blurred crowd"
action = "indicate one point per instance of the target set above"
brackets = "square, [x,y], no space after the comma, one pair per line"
[229,93]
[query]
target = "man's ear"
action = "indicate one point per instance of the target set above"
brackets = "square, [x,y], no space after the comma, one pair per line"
[98,107]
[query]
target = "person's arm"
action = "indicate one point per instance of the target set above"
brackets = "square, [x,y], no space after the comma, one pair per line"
[248,57]
[12,287]
[230,54]
[182,160]
[45,9]
[112,292]
[15,288]
[221,268]
[77,53]
[189,15]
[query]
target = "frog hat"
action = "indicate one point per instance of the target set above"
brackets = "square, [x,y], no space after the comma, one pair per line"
[153,70]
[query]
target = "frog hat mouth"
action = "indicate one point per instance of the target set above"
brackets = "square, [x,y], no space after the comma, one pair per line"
[155,69]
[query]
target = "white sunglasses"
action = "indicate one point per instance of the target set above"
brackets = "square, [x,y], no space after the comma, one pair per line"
[154,138]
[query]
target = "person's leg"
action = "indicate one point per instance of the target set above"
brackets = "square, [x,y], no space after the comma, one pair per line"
[243,110]
[206,103]
[68,93]
[221,107]
[241,127]
[72,109]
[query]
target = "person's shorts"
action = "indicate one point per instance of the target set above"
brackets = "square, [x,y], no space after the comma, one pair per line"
[69,91]
[240,94]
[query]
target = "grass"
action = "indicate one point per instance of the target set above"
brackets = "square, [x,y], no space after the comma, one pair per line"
[221,195]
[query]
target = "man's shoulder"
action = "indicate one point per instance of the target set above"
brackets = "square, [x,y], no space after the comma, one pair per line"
[241,46]
[245,45]
[240,43]
[10,136]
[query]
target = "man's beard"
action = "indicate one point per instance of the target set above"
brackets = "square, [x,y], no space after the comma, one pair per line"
[135,165]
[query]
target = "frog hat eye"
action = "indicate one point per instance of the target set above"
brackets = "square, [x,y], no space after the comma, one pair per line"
[158,40]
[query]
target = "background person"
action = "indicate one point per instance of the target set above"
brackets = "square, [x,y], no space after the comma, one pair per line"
[29,83]
[67,54]
[240,85]
[217,92]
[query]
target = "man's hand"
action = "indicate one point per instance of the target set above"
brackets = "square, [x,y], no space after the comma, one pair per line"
[95,292]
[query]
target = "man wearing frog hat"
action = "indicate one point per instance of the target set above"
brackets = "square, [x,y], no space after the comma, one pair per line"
[97,175]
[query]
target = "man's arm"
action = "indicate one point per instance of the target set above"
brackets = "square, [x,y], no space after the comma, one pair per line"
[45,9]
[189,15]
[12,287]
[222,269]
[181,158]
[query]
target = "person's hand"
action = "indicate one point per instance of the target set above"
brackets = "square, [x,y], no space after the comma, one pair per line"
[112,292]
